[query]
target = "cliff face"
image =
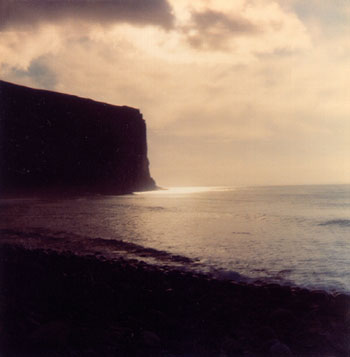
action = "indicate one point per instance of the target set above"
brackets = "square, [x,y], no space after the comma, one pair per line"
[52,142]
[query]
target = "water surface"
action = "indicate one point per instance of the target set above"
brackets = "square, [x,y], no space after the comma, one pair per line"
[294,234]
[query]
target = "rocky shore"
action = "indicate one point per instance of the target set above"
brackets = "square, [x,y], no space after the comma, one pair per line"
[59,304]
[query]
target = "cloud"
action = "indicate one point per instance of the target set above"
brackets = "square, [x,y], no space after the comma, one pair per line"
[242,27]
[38,74]
[330,13]
[264,94]
[211,29]
[16,14]
[19,48]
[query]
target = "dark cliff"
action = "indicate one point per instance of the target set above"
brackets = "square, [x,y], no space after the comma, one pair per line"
[53,142]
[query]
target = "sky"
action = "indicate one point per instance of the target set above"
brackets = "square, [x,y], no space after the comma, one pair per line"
[234,92]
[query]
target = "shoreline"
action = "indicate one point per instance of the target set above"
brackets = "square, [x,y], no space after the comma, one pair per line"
[59,304]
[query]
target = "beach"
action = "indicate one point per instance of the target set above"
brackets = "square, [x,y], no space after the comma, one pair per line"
[61,304]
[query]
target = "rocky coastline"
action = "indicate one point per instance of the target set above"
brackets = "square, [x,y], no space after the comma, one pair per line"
[60,304]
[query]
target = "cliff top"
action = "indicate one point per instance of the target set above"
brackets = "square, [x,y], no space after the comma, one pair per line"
[4,85]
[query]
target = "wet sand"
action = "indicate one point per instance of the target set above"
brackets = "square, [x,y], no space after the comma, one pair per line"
[60,304]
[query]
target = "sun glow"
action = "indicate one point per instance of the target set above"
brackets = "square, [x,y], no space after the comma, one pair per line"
[186,190]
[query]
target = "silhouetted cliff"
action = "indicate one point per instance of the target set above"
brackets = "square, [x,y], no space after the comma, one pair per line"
[52,142]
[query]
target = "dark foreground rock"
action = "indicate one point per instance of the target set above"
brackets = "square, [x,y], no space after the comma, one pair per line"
[63,305]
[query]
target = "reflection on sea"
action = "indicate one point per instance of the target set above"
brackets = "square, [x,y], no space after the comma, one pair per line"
[298,234]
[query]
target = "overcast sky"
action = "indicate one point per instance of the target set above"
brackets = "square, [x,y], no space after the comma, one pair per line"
[234,92]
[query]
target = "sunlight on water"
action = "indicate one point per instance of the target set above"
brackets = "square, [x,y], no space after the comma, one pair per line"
[187,190]
[296,234]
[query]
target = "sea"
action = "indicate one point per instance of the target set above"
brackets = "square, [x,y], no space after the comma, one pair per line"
[293,235]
